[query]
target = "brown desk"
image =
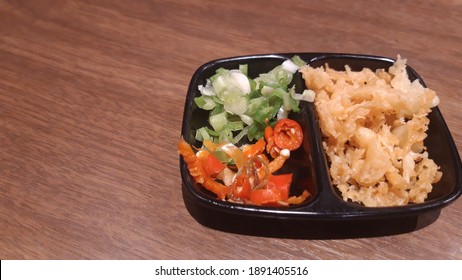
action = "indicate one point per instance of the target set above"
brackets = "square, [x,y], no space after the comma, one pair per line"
[91,104]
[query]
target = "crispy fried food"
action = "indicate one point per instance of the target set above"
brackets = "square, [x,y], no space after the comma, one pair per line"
[374,125]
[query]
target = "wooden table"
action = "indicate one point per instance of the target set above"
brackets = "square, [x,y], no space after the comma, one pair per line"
[91,104]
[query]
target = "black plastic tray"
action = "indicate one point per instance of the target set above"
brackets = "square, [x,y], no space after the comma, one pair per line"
[324,214]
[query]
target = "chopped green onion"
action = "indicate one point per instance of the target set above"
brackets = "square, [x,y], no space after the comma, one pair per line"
[201,134]
[244,68]
[218,121]
[298,61]
[205,103]
[240,106]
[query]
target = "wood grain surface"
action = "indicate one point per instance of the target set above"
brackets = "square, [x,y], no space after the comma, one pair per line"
[91,105]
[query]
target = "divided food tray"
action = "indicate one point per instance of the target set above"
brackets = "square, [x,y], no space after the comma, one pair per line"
[324,214]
